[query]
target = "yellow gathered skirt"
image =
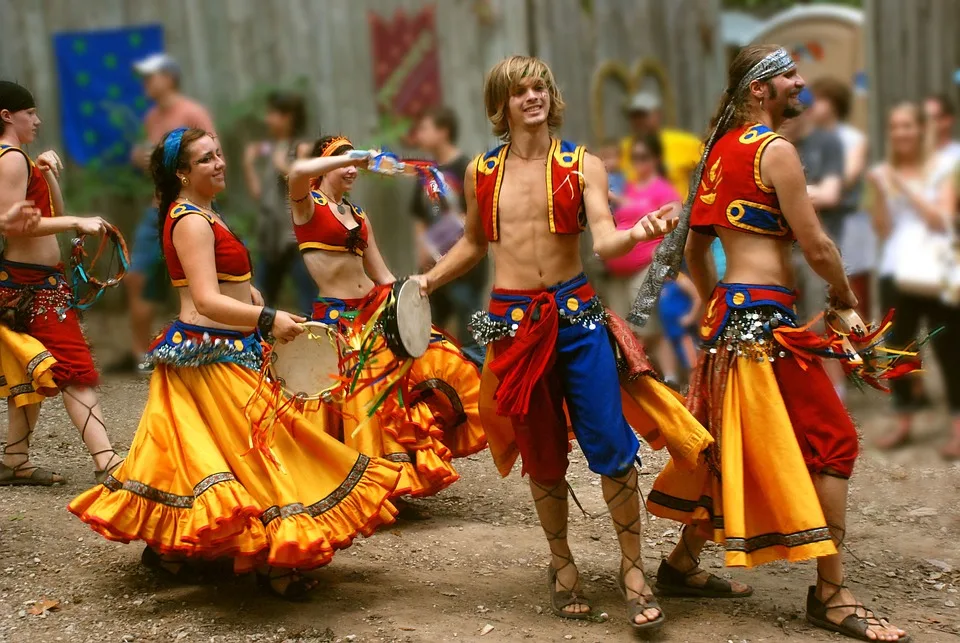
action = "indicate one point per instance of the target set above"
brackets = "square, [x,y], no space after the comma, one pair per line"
[26,373]
[754,494]
[431,419]
[192,485]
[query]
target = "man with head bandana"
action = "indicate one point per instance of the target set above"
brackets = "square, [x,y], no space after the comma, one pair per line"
[775,484]
[42,349]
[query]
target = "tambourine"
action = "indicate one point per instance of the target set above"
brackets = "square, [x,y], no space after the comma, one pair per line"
[308,366]
[407,322]
[87,286]
[847,324]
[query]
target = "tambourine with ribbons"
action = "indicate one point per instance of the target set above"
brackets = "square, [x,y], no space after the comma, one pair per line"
[427,173]
[868,360]
[92,274]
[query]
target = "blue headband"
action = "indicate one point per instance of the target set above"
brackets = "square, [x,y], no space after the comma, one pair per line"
[171,148]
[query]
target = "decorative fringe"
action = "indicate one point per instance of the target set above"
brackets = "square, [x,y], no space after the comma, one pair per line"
[871,364]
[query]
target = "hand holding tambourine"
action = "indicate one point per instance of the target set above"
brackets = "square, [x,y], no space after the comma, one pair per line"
[848,325]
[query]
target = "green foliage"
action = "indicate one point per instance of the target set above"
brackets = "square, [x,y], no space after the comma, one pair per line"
[93,187]
[391,130]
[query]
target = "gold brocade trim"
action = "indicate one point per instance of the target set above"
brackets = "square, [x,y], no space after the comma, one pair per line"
[745,545]
[397,457]
[501,162]
[756,164]
[765,541]
[35,362]
[165,497]
[318,508]
[437,384]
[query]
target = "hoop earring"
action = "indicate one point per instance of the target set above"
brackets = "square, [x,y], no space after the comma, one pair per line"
[184,180]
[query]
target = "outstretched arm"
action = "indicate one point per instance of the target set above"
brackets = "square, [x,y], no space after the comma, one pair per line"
[608,242]
[468,251]
[303,170]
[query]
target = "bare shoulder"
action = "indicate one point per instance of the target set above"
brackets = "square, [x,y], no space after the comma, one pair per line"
[593,169]
[471,172]
[13,166]
[780,156]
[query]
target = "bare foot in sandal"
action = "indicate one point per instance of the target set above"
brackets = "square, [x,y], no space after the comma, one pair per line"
[693,581]
[835,608]
[566,596]
[644,609]
[680,575]
[26,473]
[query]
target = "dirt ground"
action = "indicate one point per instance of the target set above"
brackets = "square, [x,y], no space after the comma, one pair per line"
[475,570]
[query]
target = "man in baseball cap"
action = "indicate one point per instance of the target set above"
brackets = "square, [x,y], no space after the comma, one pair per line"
[681,150]
[156,64]
[146,281]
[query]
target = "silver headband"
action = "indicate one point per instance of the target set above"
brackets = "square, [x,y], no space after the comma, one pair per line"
[669,254]
[773,64]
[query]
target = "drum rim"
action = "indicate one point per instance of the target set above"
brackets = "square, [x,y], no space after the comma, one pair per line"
[396,320]
[307,325]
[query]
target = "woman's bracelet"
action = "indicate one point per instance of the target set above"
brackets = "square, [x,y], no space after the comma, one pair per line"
[265,322]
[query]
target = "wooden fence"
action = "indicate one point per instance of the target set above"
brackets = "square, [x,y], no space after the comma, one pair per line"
[230,49]
[912,51]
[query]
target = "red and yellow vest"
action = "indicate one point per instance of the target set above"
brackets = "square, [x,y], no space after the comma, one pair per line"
[731,193]
[37,189]
[565,182]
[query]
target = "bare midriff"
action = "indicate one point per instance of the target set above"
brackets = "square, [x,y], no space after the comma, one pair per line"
[757,259]
[527,254]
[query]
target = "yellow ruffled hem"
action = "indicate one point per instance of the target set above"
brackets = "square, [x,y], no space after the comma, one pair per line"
[427,475]
[225,521]
[26,366]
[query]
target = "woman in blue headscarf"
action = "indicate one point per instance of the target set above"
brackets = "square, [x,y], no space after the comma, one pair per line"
[195,484]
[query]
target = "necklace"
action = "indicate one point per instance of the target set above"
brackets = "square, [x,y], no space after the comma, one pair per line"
[202,207]
[528,158]
[340,207]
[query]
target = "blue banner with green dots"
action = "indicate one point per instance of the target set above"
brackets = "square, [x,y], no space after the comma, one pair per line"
[101,97]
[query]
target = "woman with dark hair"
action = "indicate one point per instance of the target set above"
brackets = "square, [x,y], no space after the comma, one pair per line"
[265,165]
[195,485]
[436,418]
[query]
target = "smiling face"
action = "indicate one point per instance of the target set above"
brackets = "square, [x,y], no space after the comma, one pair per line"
[24,123]
[521,92]
[340,180]
[905,131]
[529,104]
[206,167]
[783,94]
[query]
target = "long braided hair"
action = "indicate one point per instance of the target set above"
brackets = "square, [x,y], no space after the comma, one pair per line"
[756,62]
